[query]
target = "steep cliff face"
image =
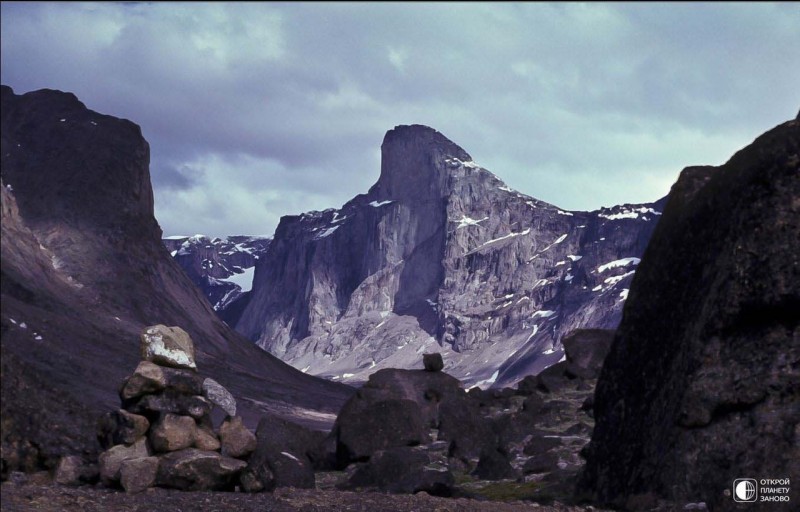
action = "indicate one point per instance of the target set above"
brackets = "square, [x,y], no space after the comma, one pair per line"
[84,270]
[222,269]
[440,255]
[701,385]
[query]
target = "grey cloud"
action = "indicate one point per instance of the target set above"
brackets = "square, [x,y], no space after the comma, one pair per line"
[579,105]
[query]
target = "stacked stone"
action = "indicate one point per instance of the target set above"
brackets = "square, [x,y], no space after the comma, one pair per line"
[163,434]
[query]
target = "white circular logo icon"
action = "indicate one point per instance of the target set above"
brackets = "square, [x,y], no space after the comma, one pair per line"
[745,490]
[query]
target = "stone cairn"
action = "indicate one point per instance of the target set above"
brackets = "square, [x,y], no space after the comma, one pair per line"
[163,434]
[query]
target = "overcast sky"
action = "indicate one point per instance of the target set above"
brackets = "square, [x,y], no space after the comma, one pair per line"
[258,110]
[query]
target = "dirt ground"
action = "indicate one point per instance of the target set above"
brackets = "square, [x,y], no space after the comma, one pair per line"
[33,497]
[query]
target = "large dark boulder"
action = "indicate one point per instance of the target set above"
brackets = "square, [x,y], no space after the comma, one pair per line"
[398,408]
[403,470]
[283,456]
[702,381]
[377,426]
[493,465]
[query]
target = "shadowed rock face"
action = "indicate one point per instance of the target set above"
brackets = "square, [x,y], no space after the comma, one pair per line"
[440,255]
[701,383]
[84,270]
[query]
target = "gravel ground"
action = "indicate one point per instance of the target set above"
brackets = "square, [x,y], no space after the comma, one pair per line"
[54,498]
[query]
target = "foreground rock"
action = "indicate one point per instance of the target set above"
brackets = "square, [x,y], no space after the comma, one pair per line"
[168,346]
[164,434]
[197,470]
[709,366]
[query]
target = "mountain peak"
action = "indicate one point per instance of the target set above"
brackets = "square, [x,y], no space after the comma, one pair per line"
[421,137]
[414,163]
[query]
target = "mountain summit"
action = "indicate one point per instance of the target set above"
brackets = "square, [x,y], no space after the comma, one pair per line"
[440,255]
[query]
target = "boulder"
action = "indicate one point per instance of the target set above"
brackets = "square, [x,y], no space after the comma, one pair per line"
[543,462]
[147,378]
[197,470]
[283,455]
[468,432]
[136,475]
[493,465]
[111,459]
[433,362]
[588,348]
[236,439]
[205,439]
[120,427]
[700,385]
[73,470]
[553,379]
[364,428]
[403,470]
[541,442]
[172,432]
[168,346]
[219,396]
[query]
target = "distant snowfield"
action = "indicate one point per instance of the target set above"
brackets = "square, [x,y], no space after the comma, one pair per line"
[244,280]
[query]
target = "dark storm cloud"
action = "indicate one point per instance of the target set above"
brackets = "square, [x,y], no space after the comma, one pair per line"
[258,110]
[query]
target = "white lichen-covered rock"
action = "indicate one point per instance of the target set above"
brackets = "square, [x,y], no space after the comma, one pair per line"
[218,395]
[168,346]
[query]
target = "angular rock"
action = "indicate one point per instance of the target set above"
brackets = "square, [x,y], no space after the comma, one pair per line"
[541,442]
[283,455]
[493,465]
[700,386]
[205,439]
[120,427]
[172,432]
[236,439]
[147,378]
[469,433]
[111,459]
[168,346]
[187,382]
[73,470]
[218,395]
[197,470]
[136,475]
[541,463]
[363,430]
[588,348]
[433,362]
[403,470]
[168,401]
[552,379]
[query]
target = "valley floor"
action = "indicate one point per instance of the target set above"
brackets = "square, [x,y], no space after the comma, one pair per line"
[17,497]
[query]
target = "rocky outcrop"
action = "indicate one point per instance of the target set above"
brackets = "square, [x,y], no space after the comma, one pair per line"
[84,271]
[440,255]
[170,446]
[701,383]
[222,269]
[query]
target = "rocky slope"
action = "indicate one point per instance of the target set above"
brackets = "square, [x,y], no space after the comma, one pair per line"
[701,385]
[441,254]
[222,269]
[84,270]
